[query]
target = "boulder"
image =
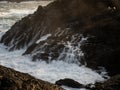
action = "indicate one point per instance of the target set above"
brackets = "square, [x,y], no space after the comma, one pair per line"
[14,80]
[69,82]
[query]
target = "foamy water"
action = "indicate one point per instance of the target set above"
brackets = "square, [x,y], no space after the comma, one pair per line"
[49,72]
[10,12]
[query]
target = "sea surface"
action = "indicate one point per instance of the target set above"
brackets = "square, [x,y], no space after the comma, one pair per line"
[13,12]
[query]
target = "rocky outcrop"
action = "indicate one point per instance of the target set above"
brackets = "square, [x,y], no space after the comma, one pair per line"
[14,80]
[68,23]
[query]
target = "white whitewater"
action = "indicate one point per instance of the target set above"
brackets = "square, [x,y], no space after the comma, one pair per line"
[12,12]
[43,38]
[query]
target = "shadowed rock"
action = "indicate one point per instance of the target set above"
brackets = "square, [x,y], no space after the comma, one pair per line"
[14,80]
[70,83]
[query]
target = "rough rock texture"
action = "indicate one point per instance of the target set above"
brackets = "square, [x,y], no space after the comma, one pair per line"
[68,22]
[14,80]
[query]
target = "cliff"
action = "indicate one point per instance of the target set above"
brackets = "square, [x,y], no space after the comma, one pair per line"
[65,22]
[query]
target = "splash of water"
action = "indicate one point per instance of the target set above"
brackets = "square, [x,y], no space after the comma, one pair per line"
[72,52]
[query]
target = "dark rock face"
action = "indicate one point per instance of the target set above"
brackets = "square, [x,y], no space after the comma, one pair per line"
[14,80]
[69,82]
[111,84]
[102,47]
[59,14]
[68,21]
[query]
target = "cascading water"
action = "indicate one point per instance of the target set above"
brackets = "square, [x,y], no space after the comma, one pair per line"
[64,67]
[72,52]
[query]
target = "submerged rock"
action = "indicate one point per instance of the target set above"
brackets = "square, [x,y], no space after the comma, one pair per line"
[14,80]
[69,22]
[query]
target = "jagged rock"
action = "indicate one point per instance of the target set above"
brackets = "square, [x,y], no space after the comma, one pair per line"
[70,83]
[59,14]
[14,80]
[68,21]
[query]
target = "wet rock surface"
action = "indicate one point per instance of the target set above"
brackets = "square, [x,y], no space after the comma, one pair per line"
[70,83]
[14,80]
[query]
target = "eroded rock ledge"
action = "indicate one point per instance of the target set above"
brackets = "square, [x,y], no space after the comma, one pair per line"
[14,80]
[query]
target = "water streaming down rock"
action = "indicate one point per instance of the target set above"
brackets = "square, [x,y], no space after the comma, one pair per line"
[72,52]
[63,20]
[63,46]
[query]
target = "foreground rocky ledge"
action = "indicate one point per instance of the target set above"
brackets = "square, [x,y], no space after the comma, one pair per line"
[14,80]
